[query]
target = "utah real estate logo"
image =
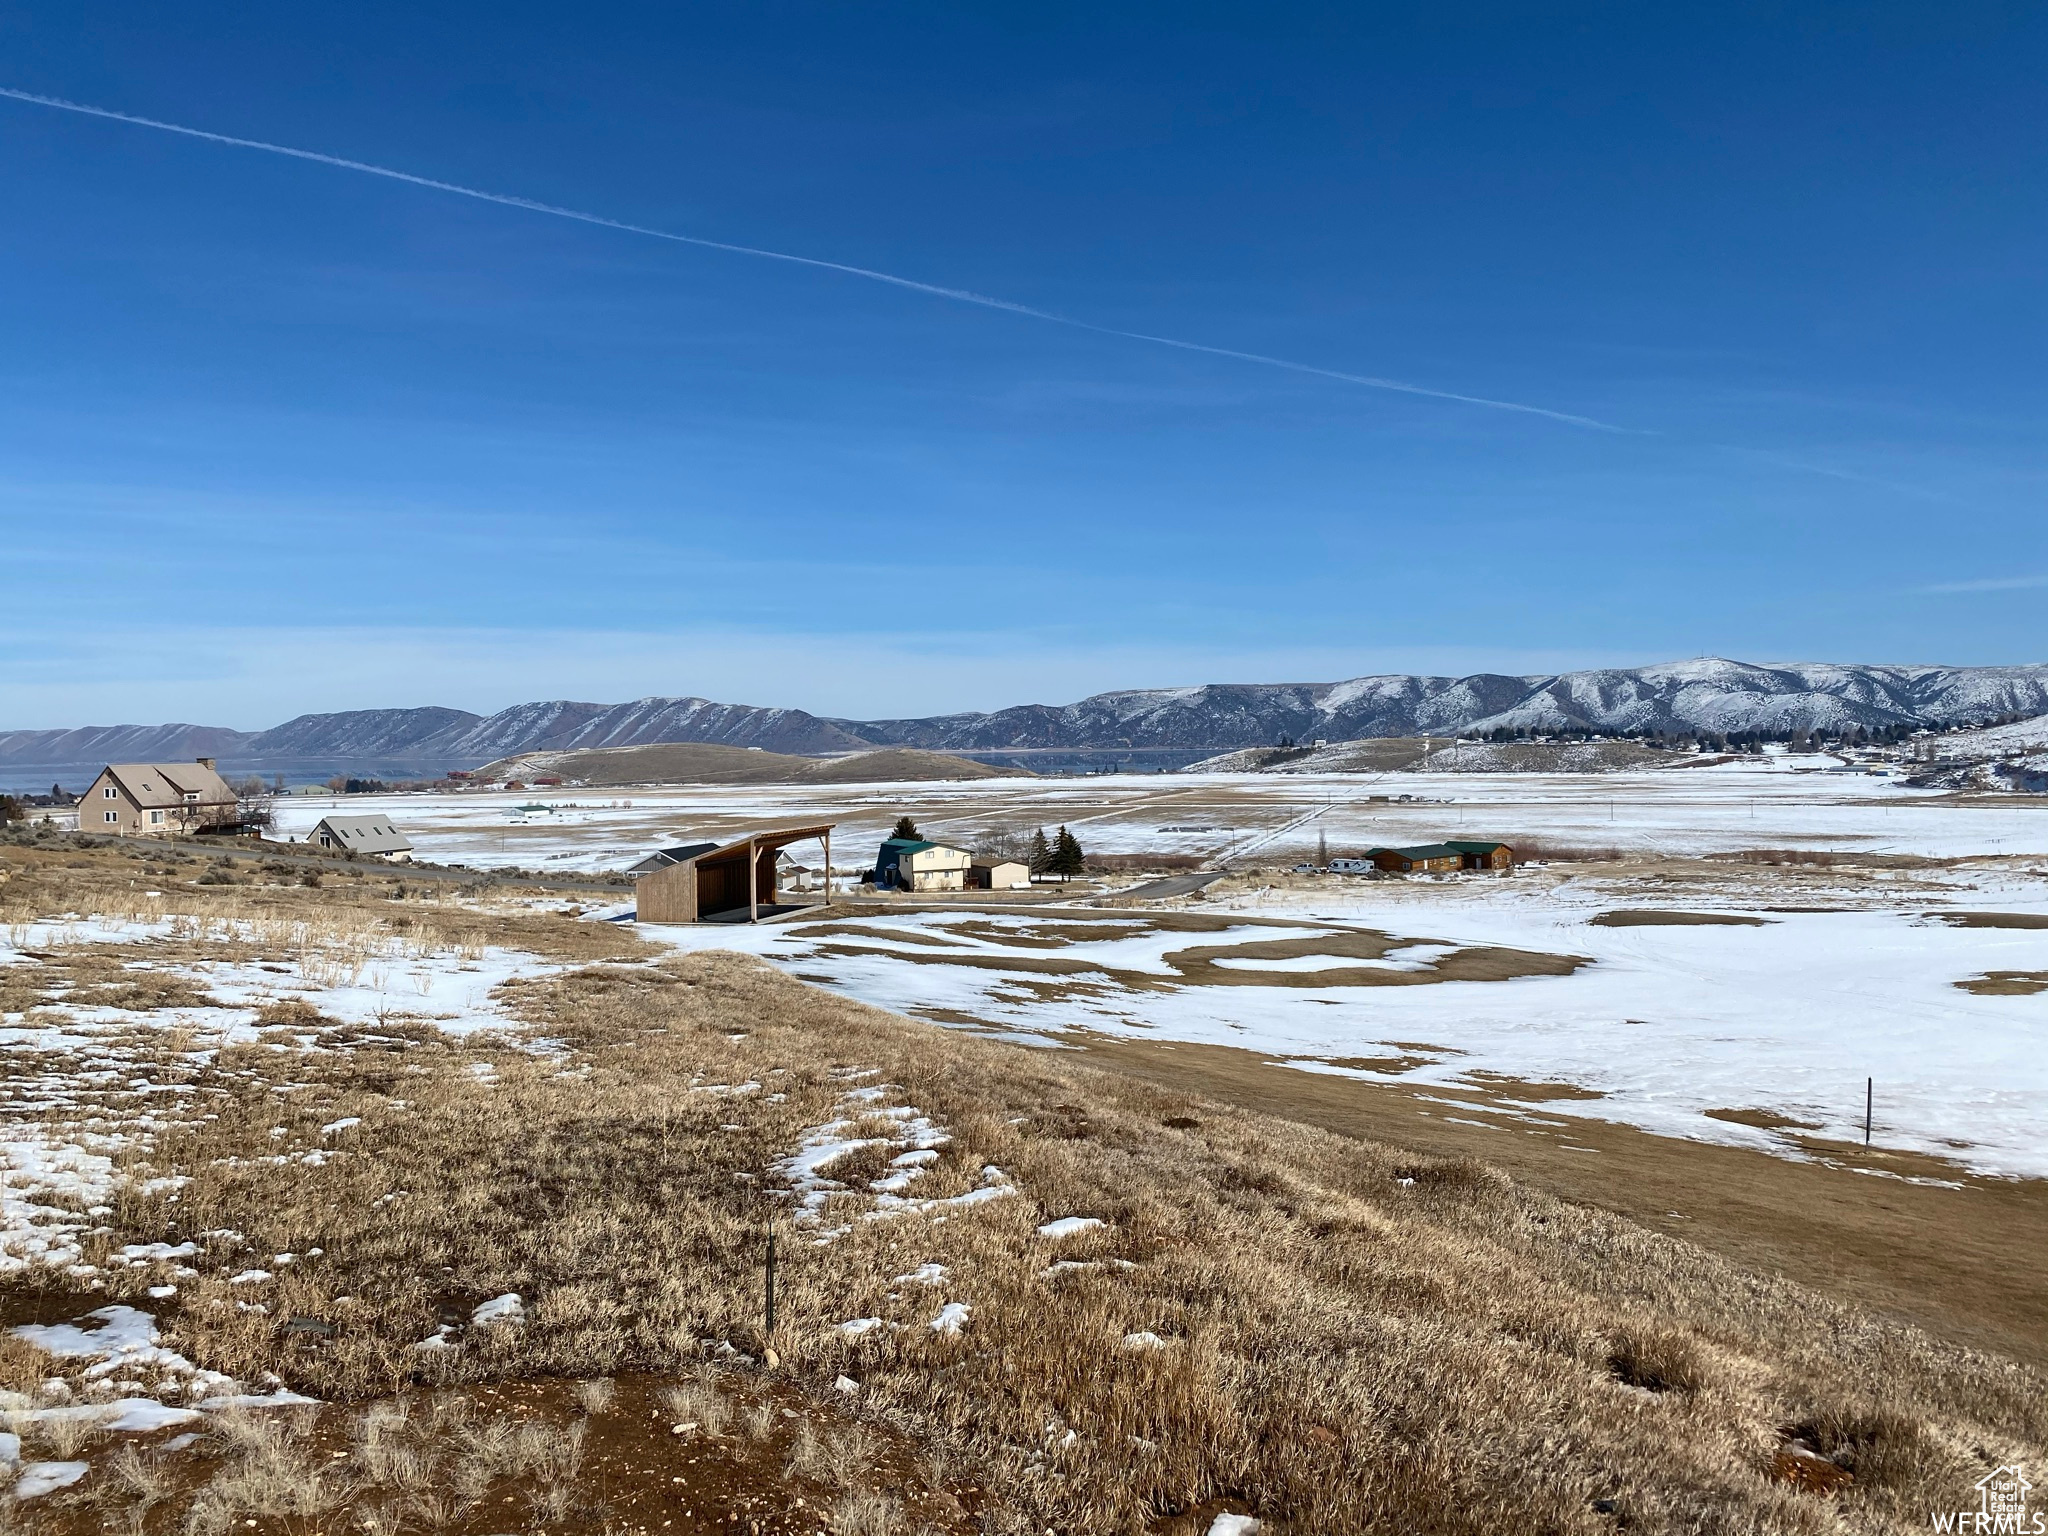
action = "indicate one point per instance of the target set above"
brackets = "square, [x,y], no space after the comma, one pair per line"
[2002,1493]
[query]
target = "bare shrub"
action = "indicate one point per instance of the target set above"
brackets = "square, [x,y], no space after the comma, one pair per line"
[268,1473]
[864,1512]
[847,1455]
[141,1473]
[595,1396]
[1657,1361]
[552,1500]
[438,1508]
[488,1448]
[810,1455]
[1463,1176]
[65,1433]
[1881,1447]
[700,1403]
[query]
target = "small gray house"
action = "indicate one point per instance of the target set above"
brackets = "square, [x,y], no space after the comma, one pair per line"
[663,858]
[371,836]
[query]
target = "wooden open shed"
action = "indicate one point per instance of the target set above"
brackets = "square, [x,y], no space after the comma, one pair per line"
[733,883]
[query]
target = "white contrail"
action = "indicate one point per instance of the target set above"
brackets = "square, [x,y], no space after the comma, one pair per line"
[959,295]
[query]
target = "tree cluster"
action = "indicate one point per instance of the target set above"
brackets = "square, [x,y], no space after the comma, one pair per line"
[1060,856]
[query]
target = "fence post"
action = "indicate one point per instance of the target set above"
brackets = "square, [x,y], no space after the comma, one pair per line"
[1869,1096]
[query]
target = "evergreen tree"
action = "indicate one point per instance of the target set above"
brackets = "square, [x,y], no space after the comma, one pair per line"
[1067,860]
[1040,857]
[907,829]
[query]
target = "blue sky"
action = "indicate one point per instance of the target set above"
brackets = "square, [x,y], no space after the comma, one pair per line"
[276,436]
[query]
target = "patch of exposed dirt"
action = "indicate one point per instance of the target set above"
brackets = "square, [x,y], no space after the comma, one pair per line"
[1650,918]
[1507,1087]
[2006,983]
[1994,919]
[1760,1119]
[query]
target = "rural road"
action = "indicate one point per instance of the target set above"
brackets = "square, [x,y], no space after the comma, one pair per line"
[1173,885]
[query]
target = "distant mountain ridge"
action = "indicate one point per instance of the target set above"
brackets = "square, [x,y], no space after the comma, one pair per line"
[1709,694]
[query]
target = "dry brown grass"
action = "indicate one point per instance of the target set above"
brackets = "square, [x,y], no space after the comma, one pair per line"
[1357,1338]
[1994,919]
[1193,966]
[2006,983]
[1660,918]
[1474,1353]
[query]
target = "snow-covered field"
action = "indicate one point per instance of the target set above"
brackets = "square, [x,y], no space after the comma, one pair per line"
[1788,1017]
[1777,802]
[1667,1022]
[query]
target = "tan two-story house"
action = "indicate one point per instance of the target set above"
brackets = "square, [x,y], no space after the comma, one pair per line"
[156,799]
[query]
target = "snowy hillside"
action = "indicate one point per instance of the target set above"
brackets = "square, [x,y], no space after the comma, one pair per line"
[1708,694]
[1703,695]
[1997,740]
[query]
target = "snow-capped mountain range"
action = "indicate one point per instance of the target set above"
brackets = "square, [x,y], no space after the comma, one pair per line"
[1703,695]
[1708,694]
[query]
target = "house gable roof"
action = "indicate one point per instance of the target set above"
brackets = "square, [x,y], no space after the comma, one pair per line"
[363,834]
[158,786]
[662,858]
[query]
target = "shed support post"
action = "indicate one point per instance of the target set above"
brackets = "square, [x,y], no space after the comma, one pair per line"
[753,882]
[828,869]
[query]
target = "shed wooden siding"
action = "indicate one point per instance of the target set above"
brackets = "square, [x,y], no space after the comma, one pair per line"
[1485,855]
[667,895]
[716,880]
[1443,858]
[1433,860]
